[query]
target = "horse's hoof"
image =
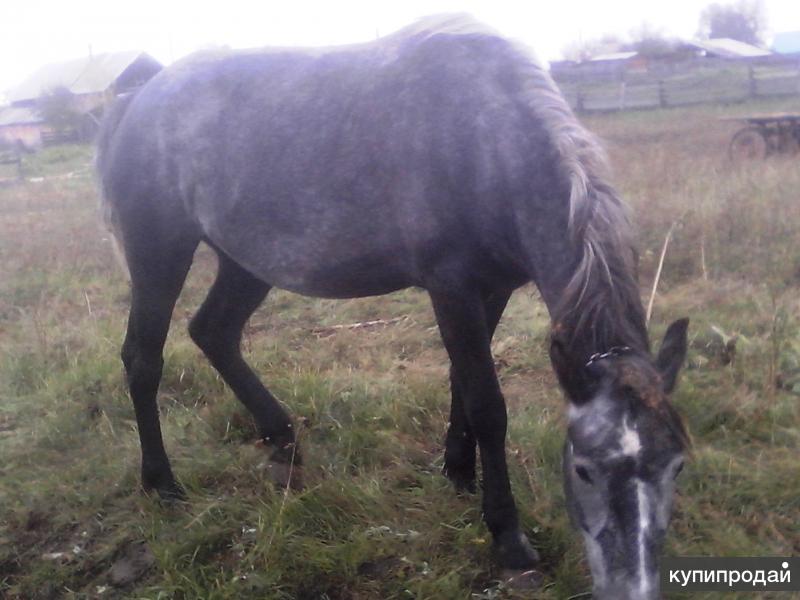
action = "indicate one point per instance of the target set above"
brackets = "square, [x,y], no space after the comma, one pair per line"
[167,493]
[466,487]
[162,482]
[463,480]
[519,579]
[515,552]
[463,485]
[284,466]
[285,475]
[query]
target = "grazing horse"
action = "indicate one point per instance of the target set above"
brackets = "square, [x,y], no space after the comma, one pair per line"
[441,157]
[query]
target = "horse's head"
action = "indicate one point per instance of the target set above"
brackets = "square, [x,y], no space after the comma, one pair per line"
[625,447]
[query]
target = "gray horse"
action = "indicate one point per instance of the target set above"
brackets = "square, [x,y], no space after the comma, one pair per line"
[441,157]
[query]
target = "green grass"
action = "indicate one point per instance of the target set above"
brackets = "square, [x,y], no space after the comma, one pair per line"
[65,161]
[376,519]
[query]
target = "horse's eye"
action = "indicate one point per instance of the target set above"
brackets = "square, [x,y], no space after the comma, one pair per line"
[583,474]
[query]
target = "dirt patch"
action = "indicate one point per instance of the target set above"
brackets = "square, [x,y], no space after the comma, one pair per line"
[133,562]
[380,568]
[7,424]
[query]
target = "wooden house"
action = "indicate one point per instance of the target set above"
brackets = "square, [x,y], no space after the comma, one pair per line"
[91,82]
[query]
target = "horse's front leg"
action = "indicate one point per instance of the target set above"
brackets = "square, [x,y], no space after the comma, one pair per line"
[462,320]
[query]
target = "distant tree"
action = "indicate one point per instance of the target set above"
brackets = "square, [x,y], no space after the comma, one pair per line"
[57,108]
[585,49]
[744,20]
[651,42]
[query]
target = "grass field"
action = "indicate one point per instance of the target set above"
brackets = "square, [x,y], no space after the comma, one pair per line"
[376,519]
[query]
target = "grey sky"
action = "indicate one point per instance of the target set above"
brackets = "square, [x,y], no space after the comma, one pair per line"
[36,32]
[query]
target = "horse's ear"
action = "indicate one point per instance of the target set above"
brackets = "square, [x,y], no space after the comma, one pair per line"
[672,353]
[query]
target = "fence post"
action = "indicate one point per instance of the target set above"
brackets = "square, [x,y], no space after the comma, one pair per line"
[579,100]
[662,94]
[798,76]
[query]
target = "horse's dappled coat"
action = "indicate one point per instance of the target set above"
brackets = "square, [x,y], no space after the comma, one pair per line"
[443,157]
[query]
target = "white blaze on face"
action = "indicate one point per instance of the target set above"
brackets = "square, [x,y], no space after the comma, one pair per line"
[644,526]
[629,440]
[594,553]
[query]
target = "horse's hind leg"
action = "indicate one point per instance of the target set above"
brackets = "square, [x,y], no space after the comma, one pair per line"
[217,330]
[157,276]
[460,443]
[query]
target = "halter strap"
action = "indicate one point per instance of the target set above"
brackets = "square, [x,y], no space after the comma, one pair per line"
[610,353]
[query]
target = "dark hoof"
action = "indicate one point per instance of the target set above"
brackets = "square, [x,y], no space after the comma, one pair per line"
[165,485]
[463,479]
[173,492]
[514,551]
[168,495]
[462,485]
[522,580]
[284,467]
[285,475]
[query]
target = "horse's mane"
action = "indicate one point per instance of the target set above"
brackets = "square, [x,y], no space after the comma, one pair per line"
[601,305]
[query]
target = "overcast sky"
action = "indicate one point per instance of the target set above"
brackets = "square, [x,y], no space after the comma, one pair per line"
[36,32]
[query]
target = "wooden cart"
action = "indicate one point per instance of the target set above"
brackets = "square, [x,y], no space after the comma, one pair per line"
[764,135]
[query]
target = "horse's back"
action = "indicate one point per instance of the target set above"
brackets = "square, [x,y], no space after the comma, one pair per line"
[321,162]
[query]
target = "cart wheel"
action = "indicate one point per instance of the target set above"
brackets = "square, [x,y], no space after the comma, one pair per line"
[747,144]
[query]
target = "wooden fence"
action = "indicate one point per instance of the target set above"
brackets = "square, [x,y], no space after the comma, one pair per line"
[52,138]
[714,82]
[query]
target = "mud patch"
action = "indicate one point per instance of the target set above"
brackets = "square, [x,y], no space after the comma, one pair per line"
[133,562]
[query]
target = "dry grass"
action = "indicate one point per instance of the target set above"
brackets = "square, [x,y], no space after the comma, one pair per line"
[377,520]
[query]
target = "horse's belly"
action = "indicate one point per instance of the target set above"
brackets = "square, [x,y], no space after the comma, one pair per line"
[320,271]
[335,283]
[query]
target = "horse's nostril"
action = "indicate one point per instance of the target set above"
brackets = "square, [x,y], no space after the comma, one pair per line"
[584,474]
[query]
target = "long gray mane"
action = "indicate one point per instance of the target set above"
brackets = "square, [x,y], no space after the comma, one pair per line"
[601,305]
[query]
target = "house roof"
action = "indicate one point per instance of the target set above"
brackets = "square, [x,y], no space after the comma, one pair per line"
[613,56]
[728,48]
[18,115]
[80,76]
[787,42]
